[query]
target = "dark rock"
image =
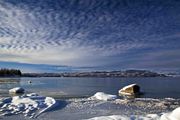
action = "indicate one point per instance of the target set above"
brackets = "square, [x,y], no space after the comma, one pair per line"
[17,90]
[132,89]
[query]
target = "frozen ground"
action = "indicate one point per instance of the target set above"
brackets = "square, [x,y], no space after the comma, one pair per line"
[106,109]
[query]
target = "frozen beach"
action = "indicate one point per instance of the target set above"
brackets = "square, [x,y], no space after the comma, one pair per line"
[100,109]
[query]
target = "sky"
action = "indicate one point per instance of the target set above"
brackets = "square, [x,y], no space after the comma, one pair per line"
[89,35]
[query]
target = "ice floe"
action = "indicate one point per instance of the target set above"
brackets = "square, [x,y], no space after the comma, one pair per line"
[31,105]
[103,96]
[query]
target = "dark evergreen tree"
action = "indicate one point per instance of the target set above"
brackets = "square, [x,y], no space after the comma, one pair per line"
[10,72]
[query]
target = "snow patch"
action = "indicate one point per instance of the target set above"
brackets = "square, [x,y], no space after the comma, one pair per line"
[112,117]
[103,96]
[174,115]
[31,105]
[121,117]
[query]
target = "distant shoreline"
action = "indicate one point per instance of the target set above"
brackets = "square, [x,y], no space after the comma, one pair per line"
[127,73]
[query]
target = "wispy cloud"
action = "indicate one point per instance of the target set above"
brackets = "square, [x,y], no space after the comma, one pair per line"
[86,33]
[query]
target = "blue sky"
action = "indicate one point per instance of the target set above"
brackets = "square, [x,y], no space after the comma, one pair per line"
[81,35]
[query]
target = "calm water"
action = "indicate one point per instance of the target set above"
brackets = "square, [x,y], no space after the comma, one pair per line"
[79,87]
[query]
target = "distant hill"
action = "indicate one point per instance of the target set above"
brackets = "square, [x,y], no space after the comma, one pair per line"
[127,73]
[10,73]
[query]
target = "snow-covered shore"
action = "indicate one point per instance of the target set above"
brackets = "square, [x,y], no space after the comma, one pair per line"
[102,106]
[174,115]
[31,105]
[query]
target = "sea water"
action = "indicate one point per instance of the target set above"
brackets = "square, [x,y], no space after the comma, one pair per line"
[155,87]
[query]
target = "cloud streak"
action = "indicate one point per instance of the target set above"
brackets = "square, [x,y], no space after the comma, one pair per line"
[86,33]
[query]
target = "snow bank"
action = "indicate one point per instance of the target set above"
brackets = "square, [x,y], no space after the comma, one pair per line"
[128,86]
[121,117]
[112,117]
[174,115]
[31,105]
[103,96]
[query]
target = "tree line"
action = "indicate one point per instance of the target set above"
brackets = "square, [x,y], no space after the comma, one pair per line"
[10,72]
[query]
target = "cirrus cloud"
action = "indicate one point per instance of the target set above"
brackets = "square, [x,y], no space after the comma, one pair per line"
[86,33]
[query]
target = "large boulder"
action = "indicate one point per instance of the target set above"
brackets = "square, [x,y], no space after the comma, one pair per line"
[132,89]
[16,90]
